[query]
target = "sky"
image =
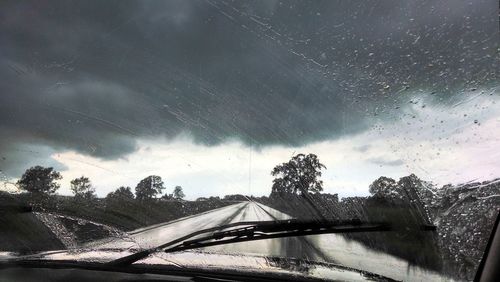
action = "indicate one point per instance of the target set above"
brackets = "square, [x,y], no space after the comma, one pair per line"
[211,95]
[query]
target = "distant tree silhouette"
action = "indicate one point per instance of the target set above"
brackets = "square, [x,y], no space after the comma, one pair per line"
[82,188]
[149,188]
[122,193]
[382,185]
[40,180]
[235,197]
[178,194]
[385,188]
[298,176]
[167,196]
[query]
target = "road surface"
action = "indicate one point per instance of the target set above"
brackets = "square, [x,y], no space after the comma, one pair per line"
[246,211]
[328,247]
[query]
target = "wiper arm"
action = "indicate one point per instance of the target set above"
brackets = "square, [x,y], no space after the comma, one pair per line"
[273,229]
[255,230]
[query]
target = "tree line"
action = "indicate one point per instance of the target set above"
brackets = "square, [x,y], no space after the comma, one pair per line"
[40,180]
[300,176]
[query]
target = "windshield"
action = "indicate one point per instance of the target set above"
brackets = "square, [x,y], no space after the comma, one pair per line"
[129,124]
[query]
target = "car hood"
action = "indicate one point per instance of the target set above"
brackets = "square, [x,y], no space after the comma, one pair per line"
[205,261]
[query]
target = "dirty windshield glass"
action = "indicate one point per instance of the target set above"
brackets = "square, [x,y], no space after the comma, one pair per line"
[126,125]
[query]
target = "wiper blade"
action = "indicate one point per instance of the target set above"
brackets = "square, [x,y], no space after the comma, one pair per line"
[255,230]
[270,230]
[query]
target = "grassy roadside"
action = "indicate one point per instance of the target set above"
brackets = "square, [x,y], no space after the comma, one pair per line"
[56,222]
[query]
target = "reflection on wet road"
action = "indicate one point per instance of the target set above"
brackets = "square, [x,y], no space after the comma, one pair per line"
[329,247]
[159,234]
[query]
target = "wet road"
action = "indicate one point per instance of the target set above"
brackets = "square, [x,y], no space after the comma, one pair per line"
[247,211]
[328,247]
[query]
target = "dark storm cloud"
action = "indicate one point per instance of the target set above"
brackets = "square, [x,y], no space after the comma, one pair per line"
[16,158]
[94,76]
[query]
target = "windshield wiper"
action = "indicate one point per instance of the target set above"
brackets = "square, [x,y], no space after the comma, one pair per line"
[255,230]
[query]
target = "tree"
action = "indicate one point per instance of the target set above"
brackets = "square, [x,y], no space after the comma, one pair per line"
[167,196]
[235,197]
[385,187]
[298,176]
[149,187]
[122,193]
[178,194]
[40,180]
[82,188]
